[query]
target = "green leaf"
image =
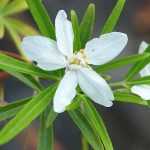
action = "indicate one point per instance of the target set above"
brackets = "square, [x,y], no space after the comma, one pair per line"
[51,117]
[25,29]
[76,29]
[8,63]
[46,139]
[136,68]
[14,7]
[11,109]
[143,80]
[27,79]
[41,17]
[96,122]
[2,30]
[14,35]
[74,105]
[114,17]
[127,97]
[86,26]
[117,63]
[86,129]
[30,112]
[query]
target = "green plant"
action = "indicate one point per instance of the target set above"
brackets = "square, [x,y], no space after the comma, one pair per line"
[8,10]
[82,111]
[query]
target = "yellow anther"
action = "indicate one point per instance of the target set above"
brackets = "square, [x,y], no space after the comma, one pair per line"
[79,58]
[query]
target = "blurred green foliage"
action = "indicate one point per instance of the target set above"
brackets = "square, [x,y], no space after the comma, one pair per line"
[16,28]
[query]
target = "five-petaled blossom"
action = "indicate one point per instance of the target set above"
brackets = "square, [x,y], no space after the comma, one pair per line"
[52,55]
[143,90]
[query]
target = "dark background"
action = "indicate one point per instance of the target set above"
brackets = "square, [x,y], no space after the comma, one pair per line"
[128,125]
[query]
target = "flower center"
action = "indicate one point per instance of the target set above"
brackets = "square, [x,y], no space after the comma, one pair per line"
[79,59]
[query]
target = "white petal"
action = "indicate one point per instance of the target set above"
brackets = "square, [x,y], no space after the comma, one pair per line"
[142,47]
[64,33]
[66,92]
[44,51]
[101,50]
[142,90]
[95,87]
[146,70]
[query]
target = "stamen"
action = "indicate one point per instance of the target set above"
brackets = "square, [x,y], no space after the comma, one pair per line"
[79,59]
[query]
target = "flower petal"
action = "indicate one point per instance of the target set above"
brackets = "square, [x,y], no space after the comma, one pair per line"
[101,50]
[142,47]
[66,91]
[95,87]
[146,70]
[44,51]
[64,34]
[142,90]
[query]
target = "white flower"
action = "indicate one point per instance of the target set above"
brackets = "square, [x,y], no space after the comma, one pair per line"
[143,90]
[52,55]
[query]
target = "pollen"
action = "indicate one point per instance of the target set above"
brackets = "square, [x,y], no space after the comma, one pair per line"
[79,58]
[75,60]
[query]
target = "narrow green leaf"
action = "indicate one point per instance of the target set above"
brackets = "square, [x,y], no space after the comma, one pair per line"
[41,17]
[117,63]
[143,80]
[14,35]
[86,129]
[8,63]
[11,109]
[87,24]
[27,79]
[76,29]
[2,30]
[46,139]
[74,105]
[96,122]
[25,29]
[51,117]
[30,112]
[14,7]
[127,97]
[114,17]
[136,68]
